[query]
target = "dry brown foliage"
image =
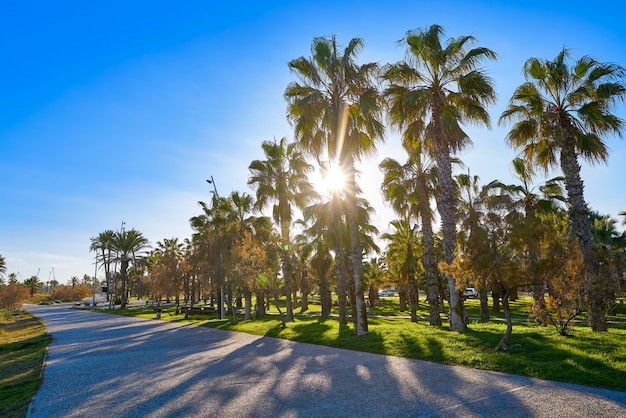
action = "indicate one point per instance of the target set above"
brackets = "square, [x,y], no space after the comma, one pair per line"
[12,296]
[69,293]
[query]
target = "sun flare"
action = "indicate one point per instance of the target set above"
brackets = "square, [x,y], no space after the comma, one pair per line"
[332,179]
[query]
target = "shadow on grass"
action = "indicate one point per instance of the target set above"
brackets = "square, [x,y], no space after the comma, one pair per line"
[594,359]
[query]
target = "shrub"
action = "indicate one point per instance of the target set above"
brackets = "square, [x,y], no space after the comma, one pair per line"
[12,296]
[69,293]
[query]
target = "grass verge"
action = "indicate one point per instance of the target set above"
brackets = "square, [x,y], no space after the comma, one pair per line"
[23,342]
[586,358]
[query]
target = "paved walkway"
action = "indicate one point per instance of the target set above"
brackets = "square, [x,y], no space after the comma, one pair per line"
[102,365]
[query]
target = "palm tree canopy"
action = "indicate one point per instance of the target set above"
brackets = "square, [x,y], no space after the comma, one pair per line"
[439,86]
[335,107]
[129,244]
[410,186]
[404,249]
[281,178]
[3,265]
[565,102]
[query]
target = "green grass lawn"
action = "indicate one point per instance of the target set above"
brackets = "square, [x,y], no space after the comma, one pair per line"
[587,358]
[23,342]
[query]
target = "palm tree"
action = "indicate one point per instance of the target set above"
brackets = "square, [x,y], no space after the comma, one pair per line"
[103,244]
[610,250]
[336,111]
[402,254]
[374,276]
[33,284]
[410,188]
[431,94]
[328,226]
[12,279]
[3,266]
[472,235]
[129,246]
[219,228]
[282,179]
[562,113]
[303,252]
[74,281]
[321,261]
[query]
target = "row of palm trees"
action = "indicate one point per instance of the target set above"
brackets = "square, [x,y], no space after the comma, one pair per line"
[123,249]
[562,112]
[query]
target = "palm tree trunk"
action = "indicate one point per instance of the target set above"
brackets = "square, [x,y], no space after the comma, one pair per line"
[356,254]
[287,277]
[496,296]
[581,224]
[247,296]
[484,304]
[372,296]
[259,310]
[325,295]
[287,270]
[123,280]
[340,274]
[413,296]
[304,288]
[432,271]
[447,211]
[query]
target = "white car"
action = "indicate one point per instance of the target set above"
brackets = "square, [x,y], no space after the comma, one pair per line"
[470,292]
[385,293]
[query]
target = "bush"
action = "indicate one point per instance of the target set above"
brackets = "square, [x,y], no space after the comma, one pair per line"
[69,293]
[12,296]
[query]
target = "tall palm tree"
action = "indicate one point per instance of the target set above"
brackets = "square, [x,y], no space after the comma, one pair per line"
[320,238]
[3,266]
[336,110]
[431,94]
[472,235]
[329,227]
[402,254]
[561,114]
[410,188]
[102,245]
[281,179]
[374,275]
[129,246]
[303,253]
[220,227]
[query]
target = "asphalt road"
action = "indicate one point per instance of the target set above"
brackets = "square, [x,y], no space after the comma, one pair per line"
[102,365]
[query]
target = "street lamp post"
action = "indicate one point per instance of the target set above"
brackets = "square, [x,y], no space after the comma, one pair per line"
[222,312]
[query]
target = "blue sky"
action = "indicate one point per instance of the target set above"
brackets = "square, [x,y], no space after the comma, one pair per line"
[118,111]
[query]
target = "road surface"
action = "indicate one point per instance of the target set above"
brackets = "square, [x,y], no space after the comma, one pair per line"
[102,365]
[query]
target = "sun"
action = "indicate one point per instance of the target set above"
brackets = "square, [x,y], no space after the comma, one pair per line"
[332,179]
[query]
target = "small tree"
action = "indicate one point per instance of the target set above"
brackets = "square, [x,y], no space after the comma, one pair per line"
[564,289]
[12,296]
